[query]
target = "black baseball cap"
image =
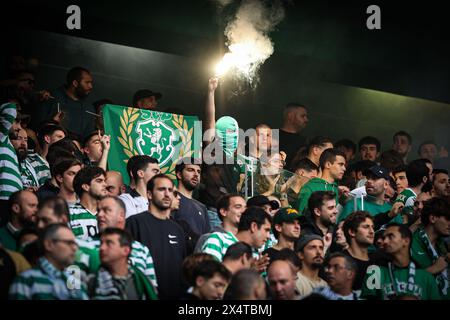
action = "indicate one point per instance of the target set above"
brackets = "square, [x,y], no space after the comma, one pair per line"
[378,171]
[260,200]
[145,93]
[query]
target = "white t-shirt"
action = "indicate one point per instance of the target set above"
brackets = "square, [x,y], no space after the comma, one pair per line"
[305,285]
[134,205]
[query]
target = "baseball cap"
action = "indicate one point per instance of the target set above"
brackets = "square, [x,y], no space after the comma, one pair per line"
[145,93]
[287,214]
[305,239]
[378,171]
[260,200]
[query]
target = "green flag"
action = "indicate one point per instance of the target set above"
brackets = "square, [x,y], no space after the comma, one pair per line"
[164,136]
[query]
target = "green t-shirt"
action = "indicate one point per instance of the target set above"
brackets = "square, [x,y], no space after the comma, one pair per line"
[315,184]
[377,284]
[407,197]
[369,206]
[423,258]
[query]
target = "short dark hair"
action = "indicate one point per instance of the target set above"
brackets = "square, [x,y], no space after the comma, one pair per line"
[62,165]
[151,183]
[59,205]
[242,284]
[75,74]
[208,268]
[329,155]
[253,214]
[403,134]
[317,199]
[66,144]
[190,263]
[48,130]
[184,161]
[224,202]
[237,250]
[89,137]
[50,231]
[137,163]
[318,141]
[361,166]
[350,263]
[97,104]
[27,231]
[125,239]
[345,144]
[295,105]
[85,176]
[438,171]
[353,221]
[403,229]
[391,159]
[370,140]
[437,207]
[415,171]
[401,168]
[425,143]
[289,255]
[305,164]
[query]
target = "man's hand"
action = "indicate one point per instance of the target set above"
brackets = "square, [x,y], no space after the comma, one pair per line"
[58,116]
[343,190]
[44,95]
[261,264]
[212,84]
[440,265]
[396,209]
[327,239]
[105,140]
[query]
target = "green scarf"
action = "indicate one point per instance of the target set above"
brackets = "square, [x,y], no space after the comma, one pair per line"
[394,285]
[441,278]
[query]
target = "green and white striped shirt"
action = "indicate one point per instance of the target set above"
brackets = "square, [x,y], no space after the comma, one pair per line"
[217,244]
[141,258]
[34,171]
[45,282]
[88,258]
[82,222]
[10,180]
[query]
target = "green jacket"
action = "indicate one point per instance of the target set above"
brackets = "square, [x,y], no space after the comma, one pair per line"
[313,185]
[8,238]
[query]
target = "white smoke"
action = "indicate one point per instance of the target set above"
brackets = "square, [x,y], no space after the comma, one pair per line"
[248,39]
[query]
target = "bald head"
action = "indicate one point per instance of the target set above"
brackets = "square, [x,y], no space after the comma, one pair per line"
[24,205]
[114,183]
[281,277]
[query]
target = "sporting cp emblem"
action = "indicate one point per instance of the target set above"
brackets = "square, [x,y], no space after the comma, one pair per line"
[156,140]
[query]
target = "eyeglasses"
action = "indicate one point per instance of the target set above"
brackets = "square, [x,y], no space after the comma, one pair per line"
[176,193]
[67,242]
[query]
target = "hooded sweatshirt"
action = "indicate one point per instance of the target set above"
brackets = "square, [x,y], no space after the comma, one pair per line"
[313,185]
